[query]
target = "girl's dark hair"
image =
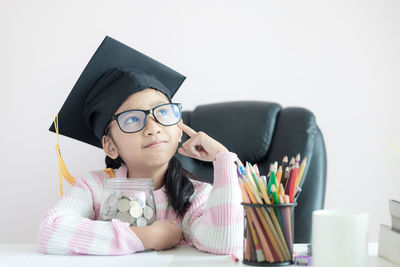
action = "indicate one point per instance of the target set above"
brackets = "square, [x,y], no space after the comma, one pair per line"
[177,184]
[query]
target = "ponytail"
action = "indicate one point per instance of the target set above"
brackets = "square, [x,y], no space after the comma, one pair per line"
[178,186]
[113,163]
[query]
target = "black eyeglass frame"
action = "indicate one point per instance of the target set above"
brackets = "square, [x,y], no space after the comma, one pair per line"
[146,112]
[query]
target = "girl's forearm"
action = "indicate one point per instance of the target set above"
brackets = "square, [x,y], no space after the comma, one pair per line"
[143,233]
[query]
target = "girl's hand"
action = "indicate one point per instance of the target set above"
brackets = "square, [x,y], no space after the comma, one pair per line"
[199,145]
[162,234]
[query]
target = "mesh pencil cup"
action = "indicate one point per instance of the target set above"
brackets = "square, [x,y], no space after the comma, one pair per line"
[268,234]
[128,200]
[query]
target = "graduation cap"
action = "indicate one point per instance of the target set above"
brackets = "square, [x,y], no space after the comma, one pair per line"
[114,72]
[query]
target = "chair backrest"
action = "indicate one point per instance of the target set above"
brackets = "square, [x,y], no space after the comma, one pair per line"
[264,132]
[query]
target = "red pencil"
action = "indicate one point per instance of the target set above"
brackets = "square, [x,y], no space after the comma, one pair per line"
[234,257]
[292,182]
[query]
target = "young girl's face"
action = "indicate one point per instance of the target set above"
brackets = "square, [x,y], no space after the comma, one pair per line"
[134,148]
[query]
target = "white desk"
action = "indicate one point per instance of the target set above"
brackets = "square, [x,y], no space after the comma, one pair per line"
[23,255]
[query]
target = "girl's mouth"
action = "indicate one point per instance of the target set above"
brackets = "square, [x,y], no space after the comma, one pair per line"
[156,144]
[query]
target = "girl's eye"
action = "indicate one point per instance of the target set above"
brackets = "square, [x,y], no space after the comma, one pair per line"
[163,112]
[131,120]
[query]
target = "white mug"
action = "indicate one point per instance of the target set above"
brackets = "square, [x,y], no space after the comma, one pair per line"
[339,238]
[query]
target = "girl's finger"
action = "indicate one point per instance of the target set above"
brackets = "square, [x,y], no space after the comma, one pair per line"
[187,153]
[191,144]
[182,151]
[189,131]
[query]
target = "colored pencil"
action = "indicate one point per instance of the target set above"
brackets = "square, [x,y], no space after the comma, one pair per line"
[289,215]
[278,178]
[298,158]
[285,162]
[286,222]
[286,180]
[259,252]
[301,171]
[292,182]
[253,256]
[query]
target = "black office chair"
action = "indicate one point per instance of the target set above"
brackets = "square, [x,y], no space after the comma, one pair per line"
[264,132]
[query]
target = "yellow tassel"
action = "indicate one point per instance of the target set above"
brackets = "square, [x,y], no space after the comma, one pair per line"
[62,169]
[110,172]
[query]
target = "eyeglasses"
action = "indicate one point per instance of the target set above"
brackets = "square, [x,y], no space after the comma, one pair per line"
[132,121]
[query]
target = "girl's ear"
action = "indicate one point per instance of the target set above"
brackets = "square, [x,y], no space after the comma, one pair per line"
[109,147]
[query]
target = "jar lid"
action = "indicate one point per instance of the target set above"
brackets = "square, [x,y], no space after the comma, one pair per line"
[129,183]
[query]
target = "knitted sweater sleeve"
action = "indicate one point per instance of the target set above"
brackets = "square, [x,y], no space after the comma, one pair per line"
[70,226]
[214,221]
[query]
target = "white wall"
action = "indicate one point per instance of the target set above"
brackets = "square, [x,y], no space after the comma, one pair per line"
[340,59]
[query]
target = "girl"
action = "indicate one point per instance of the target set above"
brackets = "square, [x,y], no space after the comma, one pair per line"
[189,211]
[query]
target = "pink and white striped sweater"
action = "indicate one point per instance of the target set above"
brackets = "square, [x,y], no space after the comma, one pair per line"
[213,223]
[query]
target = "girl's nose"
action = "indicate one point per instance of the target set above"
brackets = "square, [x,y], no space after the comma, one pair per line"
[152,126]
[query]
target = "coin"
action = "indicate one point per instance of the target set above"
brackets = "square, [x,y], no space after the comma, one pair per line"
[141,222]
[148,212]
[140,201]
[126,197]
[134,202]
[112,212]
[123,205]
[112,200]
[136,211]
[124,216]
[150,201]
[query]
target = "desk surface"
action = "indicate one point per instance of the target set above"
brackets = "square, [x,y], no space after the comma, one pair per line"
[13,255]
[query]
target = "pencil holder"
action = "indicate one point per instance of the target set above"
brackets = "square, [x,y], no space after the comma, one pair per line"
[268,234]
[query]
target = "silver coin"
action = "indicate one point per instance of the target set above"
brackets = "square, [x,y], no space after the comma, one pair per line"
[136,211]
[148,212]
[112,201]
[105,217]
[150,201]
[109,216]
[140,201]
[134,202]
[126,197]
[141,222]
[123,205]
[124,217]
[133,221]
[112,212]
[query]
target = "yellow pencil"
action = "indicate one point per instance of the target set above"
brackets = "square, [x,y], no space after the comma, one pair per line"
[259,253]
[281,190]
[301,171]
[278,179]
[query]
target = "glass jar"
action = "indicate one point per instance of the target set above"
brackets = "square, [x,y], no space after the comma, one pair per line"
[128,200]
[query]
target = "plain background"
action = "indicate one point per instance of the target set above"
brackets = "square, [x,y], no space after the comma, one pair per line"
[339,59]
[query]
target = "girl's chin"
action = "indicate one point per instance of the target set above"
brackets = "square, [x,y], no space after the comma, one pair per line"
[153,159]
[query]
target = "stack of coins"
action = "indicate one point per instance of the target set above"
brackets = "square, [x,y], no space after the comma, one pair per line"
[136,212]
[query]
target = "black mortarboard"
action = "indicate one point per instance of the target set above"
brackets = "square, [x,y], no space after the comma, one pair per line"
[114,72]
